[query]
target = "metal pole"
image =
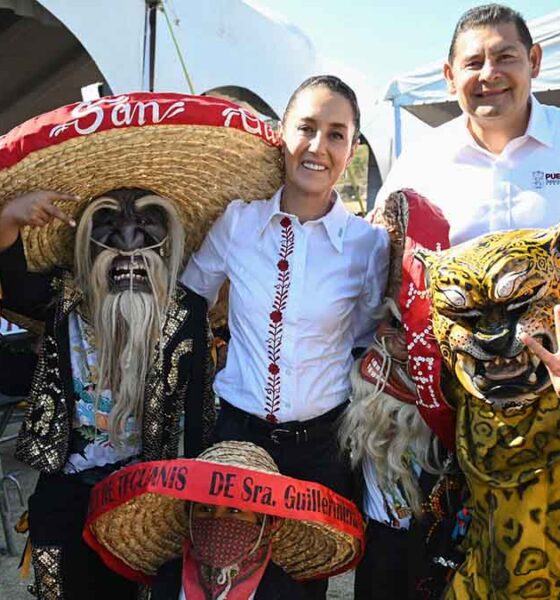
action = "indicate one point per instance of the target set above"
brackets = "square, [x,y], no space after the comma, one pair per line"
[149,62]
[374,181]
[398,131]
[5,516]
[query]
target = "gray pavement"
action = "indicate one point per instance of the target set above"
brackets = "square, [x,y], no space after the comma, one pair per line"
[11,585]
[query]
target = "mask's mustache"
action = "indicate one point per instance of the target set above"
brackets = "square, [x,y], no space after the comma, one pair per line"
[131,253]
[157,276]
[146,262]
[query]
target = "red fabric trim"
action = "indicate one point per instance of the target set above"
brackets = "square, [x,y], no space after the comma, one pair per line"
[370,370]
[427,228]
[211,483]
[138,109]
[276,325]
[190,578]
[113,562]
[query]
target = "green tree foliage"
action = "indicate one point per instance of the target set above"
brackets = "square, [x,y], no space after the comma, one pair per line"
[353,185]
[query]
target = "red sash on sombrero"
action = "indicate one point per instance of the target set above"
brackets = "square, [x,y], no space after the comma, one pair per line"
[129,506]
[138,109]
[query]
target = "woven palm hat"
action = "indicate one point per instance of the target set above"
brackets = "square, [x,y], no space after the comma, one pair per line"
[138,519]
[199,152]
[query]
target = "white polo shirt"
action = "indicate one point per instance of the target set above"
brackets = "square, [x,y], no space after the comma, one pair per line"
[301,297]
[480,192]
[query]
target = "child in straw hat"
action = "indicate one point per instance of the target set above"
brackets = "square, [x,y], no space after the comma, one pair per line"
[225,526]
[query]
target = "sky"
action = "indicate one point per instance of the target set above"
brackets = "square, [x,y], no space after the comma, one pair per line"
[383,38]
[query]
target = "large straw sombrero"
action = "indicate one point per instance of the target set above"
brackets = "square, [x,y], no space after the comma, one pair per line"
[199,152]
[137,519]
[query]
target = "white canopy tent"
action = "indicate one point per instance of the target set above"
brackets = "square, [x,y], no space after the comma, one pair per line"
[51,49]
[130,45]
[424,91]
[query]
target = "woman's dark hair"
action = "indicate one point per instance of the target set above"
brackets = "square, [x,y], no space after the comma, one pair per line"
[490,15]
[334,84]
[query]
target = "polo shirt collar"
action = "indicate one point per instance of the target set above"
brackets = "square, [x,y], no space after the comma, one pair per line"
[537,128]
[334,222]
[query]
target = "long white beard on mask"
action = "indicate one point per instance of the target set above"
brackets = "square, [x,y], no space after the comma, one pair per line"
[127,327]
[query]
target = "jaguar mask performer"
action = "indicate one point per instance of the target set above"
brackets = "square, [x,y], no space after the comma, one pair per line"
[482,300]
[485,293]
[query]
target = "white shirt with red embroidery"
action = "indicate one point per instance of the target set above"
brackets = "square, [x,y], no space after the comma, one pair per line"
[301,297]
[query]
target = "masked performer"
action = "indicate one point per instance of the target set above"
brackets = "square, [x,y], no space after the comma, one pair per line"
[410,504]
[225,526]
[489,296]
[125,353]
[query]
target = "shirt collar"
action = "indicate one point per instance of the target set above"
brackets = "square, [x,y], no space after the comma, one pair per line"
[458,136]
[334,221]
[537,128]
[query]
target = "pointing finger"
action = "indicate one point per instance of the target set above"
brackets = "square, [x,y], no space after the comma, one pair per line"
[557,324]
[60,214]
[52,196]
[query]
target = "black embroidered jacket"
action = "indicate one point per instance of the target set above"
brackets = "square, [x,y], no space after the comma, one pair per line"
[178,382]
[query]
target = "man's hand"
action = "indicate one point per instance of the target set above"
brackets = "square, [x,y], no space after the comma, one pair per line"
[551,360]
[37,209]
[34,209]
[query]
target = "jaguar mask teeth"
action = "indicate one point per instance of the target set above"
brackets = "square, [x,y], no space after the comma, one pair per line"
[503,381]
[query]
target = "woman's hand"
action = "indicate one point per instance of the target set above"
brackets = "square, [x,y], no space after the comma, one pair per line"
[551,360]
[34,209]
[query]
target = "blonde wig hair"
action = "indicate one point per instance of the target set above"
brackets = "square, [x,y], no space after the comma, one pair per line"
[391,433]
[127,324]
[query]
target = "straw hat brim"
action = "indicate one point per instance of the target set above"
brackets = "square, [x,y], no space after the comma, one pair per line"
[150,530]
[199,167]
[139,535]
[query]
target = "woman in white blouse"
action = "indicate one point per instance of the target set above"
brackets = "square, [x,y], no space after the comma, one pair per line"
[306,279]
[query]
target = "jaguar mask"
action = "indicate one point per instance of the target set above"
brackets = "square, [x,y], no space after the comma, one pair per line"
[484,294]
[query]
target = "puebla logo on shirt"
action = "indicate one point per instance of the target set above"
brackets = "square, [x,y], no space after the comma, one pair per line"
[542,179]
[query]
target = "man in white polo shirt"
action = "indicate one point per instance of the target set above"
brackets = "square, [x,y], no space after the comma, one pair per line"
[497,166]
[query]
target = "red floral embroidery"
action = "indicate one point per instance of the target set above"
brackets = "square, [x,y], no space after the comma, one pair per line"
[276,316]
[276,326]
